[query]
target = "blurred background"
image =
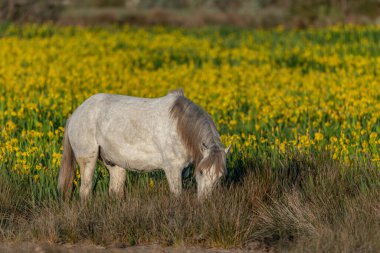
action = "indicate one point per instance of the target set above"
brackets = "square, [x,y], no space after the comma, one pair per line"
[193,13]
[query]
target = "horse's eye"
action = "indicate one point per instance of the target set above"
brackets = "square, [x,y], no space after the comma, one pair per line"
[201,172]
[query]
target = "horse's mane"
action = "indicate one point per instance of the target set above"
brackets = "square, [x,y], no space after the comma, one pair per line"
[197,132]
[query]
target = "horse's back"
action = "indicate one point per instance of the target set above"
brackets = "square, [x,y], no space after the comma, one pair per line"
[103,106]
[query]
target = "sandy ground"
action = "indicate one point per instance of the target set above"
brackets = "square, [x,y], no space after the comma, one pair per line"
[25,247]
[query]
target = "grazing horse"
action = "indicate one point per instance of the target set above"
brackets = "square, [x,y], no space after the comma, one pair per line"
[141,134]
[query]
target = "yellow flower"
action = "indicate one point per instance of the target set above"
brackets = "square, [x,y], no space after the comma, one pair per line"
[318,136]
[36,178]
[151,183]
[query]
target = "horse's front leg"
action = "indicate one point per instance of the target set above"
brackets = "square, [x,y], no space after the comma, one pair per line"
[174,177]
[117,180]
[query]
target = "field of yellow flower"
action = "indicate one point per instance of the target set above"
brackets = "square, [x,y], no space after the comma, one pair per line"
[270,92]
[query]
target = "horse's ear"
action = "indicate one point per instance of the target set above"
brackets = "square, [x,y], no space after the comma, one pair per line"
[227,150]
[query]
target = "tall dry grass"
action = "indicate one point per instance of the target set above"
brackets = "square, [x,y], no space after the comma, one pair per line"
[301,204]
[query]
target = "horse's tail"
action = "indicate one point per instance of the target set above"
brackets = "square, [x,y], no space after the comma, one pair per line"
[67,170]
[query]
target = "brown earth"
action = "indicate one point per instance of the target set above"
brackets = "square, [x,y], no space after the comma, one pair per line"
[84,248]
[193,13]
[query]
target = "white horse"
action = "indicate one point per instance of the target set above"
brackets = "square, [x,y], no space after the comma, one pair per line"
[141,134]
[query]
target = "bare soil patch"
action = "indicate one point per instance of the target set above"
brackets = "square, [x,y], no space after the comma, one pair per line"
[84,248]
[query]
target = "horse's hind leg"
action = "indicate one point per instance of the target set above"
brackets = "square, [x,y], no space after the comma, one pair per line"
[87,168]
[117,180]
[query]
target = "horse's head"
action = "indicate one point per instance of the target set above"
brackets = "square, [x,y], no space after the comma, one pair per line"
[210,169]
[200,138]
